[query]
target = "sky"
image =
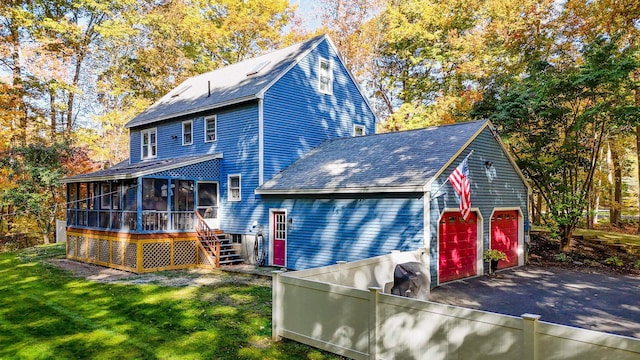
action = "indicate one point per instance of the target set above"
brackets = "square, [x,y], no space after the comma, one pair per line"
[307,9]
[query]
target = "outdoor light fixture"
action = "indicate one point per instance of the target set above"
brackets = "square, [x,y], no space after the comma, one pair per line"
[488,164]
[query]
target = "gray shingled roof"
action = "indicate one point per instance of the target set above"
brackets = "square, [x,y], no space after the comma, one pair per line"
[398,161]
[124,170]
[229,85]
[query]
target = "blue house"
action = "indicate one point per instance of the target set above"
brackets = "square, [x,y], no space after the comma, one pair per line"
[204,148]
[282,148]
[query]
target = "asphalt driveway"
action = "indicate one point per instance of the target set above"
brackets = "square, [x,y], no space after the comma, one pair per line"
[609,303]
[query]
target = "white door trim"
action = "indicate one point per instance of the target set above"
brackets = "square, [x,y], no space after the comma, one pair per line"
[271,232]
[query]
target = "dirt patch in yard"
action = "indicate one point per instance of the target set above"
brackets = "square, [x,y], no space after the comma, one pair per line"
[192,277]
[587,255]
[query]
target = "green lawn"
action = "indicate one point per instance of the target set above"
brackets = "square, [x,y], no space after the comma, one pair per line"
[47,314]
[603,235]
[610,236]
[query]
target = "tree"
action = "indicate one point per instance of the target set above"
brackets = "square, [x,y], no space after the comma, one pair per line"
[34,172]
[557,119]
[355,28]
[436,57]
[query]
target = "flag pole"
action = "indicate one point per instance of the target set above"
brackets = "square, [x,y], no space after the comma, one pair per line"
[446,181]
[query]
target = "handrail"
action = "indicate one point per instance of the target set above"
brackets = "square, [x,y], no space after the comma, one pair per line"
[207,236]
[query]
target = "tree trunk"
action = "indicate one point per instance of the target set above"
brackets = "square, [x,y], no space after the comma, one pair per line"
[80,54]
[46,238]
[538,218]
[52,104]
[637,95]
[638,155]
[565,237]
[591,213]
[14,39]
[616,205]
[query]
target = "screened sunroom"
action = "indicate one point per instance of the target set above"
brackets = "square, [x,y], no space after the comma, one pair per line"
[142,217]
[166,204]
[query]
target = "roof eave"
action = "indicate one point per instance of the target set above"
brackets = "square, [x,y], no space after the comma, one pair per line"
[137,174]
[297,60]
[353,190]
[195,110]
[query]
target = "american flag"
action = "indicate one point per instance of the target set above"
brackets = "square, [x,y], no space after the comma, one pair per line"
[459,178]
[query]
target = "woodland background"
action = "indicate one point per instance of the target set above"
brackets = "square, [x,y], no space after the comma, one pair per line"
[559,79]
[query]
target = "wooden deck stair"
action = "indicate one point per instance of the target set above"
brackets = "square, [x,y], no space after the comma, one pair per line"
[216,244]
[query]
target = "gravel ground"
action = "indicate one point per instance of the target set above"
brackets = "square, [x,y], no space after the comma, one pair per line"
[245,274]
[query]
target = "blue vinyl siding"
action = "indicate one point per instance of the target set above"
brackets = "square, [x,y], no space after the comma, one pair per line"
[231,123]
[238,141]
[499,186]
[134,146]
[298,117]
[326,230]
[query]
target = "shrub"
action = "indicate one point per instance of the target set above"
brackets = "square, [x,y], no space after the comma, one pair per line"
[563,257]
[614,260]
[492,254]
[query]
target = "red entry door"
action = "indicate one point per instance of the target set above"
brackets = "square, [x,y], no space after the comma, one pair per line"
[457,247]
[279,237]
[504,236]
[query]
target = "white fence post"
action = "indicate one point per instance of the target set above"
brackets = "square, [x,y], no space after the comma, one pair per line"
[529,343]
[374,294]
[340,264]
[276,306]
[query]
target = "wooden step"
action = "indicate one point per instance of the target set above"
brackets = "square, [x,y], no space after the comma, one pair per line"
[228,253]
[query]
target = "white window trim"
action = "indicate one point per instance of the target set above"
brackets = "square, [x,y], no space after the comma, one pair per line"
[148,131]
[229,198]
[183,133]
[215,128]
[359,126]
[330,90]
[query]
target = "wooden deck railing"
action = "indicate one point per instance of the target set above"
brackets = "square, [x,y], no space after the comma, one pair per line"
[208,239]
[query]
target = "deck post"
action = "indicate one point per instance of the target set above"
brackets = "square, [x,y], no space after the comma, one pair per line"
[139,256]
[217,251]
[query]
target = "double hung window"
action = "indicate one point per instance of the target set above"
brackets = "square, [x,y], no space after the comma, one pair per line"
[149,144]
[325,77]
[210,128]
[234,188]
[187,132]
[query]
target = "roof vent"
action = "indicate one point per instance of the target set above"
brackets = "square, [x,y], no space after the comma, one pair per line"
[258,67]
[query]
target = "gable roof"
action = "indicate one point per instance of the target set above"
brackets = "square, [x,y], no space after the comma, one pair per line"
[124,170]
[236,83]
[402,161]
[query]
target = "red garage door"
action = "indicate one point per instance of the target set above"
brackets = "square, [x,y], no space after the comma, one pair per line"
[457,251]
[504,236]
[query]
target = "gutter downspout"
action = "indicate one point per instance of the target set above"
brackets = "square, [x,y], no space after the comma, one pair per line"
[260,142]
[427,233]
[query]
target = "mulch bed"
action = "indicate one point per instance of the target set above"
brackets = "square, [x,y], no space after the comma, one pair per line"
[587,255]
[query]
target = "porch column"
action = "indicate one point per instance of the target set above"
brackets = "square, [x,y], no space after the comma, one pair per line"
[169,210]
[139,205]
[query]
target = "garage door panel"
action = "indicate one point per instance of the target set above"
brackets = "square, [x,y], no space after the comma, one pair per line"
[457,247]
[504,236]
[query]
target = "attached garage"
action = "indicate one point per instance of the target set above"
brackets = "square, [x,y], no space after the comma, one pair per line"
[458,242]
[505,235]
[354,198]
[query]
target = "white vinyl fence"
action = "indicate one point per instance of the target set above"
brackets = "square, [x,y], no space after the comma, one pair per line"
[328,308]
